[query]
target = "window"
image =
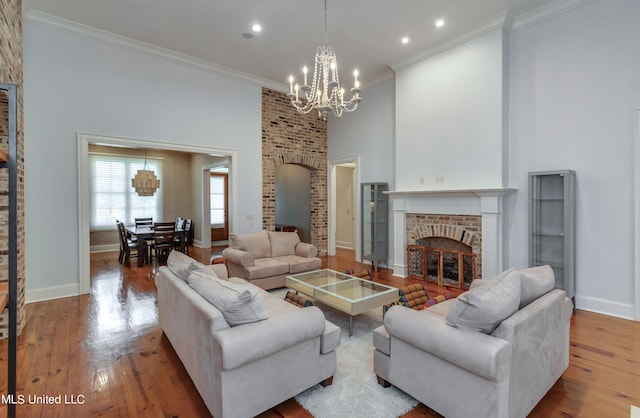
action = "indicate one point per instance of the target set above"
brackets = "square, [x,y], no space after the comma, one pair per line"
[218,198]
[111,194]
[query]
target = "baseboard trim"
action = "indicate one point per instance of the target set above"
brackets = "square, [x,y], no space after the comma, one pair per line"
[605,307]
[345,244]
[104,248]
[49,293]
[399,270]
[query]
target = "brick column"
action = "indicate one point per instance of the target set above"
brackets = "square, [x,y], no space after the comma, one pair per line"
[289,137]
[11,72]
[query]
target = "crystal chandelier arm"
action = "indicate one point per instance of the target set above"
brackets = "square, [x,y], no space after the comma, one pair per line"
[325,93]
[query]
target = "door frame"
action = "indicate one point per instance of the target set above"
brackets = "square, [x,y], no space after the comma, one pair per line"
[83,141]
[331,244]
[636,227]
[226,204]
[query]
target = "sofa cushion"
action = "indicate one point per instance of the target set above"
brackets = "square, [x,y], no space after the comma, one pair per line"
[535,282]
[485,306]
[330,338]
[283,243]
[239,303]
[299,264]
[256,244]
[181,265]
[266,267]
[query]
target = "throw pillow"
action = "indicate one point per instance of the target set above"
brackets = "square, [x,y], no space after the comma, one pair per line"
[238,303]
[256,244]
[489,303]
[181,264]
[535,282]
[283,243]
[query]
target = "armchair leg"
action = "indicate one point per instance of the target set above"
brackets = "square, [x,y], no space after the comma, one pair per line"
[327,382]
[383,382]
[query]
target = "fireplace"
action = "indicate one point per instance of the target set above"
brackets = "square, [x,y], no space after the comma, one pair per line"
[472,217]
[444,249]
[443,262]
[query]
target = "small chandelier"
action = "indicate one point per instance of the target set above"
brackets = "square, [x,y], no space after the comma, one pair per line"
[325,93]
[145,182]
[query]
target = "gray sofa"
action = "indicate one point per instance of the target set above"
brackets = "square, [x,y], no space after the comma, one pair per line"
[274,351]
[265,258]
[492,352]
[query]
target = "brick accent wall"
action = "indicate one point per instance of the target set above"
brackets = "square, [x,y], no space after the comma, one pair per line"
[289,137]
[11,72]
[464,228]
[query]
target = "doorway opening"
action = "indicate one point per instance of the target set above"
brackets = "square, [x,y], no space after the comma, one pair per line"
[219,204]
[344,207]
[200,157]
[293,200]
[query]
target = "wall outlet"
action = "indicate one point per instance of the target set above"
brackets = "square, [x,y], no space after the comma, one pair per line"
[249,217]
[421,180]
[439,179]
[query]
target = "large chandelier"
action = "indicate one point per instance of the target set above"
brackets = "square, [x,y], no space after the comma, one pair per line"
[145,181]
[325,93]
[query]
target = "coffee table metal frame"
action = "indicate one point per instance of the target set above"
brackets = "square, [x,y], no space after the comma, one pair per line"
[343,292]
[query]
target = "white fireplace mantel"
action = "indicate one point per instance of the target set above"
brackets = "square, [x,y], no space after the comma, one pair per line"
[486,203]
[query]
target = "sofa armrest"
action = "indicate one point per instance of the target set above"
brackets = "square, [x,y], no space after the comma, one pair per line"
[237,346]
[304,249]
[239,257]
[220,270]
[478,353]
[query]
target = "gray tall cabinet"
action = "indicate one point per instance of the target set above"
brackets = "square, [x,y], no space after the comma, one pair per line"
[374,241]
[552,207]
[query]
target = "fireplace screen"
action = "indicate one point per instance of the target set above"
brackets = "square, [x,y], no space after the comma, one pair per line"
[442,266]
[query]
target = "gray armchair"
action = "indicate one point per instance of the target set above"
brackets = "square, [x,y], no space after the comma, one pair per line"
[480,365]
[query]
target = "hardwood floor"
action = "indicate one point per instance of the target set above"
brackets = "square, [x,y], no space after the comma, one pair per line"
[106,354]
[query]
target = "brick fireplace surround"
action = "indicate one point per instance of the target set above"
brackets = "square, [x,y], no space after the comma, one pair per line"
[448,213]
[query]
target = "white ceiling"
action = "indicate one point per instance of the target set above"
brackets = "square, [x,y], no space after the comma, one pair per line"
[365,33]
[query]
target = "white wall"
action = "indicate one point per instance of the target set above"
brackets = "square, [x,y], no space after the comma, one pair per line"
[449,116]
[368,133]
[575,85]
[74,84]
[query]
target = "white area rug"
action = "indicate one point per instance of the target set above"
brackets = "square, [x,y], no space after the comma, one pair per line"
[635,412]
[355,391]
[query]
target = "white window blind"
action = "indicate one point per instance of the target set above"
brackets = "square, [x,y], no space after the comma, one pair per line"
[111,194]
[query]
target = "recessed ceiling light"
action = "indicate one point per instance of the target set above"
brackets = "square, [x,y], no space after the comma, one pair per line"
[439,23]
[256,28]
[405,40]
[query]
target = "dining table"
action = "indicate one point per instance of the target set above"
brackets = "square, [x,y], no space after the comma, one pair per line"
[146,233]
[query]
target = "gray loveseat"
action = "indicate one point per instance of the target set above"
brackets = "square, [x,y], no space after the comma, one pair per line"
[240,371]
[265,258]
[492,352]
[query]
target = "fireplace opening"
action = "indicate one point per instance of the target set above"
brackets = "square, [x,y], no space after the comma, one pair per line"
[442,261]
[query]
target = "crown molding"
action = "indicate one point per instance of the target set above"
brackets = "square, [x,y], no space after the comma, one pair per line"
[496,22]
[546,11]
[109,38]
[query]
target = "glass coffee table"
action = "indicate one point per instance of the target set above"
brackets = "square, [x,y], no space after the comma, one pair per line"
[346,293]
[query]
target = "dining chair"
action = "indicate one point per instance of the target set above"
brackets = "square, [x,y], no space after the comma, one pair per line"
[163,234]
[187,235]
[142,222]
[128,248]
[180,240]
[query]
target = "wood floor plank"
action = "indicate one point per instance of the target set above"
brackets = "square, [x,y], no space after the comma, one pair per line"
[108,347]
